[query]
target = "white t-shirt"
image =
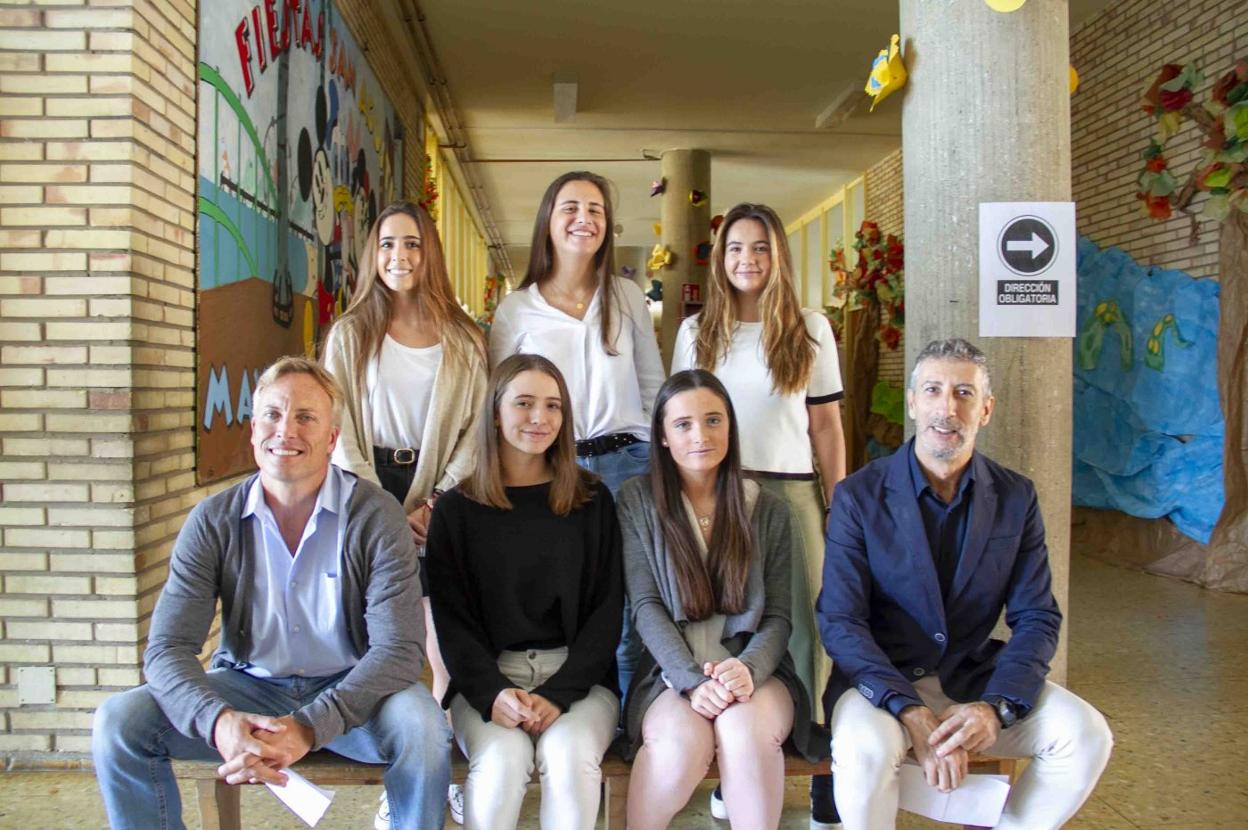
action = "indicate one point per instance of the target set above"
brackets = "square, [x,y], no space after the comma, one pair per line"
[773,428]
[400,384]
[609,393]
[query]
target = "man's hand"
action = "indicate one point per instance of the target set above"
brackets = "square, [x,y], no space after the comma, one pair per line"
[545,713]
[511,708]
[710,699]
[248,758]
[734,676]
[943,772]
[418,521]
[971,726]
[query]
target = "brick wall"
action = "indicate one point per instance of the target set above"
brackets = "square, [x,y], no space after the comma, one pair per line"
[882,197]
[1117,54]
[97,332]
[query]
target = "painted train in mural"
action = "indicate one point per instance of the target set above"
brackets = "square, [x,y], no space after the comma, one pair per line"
[304,149]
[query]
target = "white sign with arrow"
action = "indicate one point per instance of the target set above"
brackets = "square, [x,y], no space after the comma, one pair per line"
[1027,269]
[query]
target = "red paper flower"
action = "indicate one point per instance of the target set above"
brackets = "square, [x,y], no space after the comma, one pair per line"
[1152,98]
[1156,164]
[1158,206]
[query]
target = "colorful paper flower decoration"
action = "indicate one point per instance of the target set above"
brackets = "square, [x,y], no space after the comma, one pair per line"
[878,279]
[702,253]
[1074,80]
[656,291]
[658,228]
[628,271]
[697,198]
[660,257]
[1223,172]
[716,221]
[658,186]
[888,73]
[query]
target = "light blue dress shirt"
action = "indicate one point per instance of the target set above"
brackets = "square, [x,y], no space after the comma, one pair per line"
[297,627]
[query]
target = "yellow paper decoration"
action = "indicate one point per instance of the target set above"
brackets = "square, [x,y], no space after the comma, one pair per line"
[1074,80]
[658,228]
[888,73]
[660,257]
[1005,5]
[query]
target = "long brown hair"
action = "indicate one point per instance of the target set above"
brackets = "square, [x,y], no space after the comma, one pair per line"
[542,251]
[569,486]
[372,305]
[718,584]
[788,348]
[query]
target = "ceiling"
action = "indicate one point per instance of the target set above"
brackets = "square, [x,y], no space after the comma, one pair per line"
[743,79]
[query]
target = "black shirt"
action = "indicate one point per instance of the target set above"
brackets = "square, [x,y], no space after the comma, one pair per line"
[525,578]
[944,522]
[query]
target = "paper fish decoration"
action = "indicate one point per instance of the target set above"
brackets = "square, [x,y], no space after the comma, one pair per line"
[888,73]
[702,253]
[697,198]
[660,257]
[658,186]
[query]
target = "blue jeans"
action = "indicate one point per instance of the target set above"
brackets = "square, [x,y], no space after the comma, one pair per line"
[615,468]
[132,742]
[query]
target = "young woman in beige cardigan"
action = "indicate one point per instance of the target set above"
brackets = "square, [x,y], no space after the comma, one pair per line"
[412,365]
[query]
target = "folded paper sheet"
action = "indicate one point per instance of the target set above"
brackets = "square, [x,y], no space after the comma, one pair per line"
[303,798]
[978,802]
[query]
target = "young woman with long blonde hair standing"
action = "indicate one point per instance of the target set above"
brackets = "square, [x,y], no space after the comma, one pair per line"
[412,364]
[779,363]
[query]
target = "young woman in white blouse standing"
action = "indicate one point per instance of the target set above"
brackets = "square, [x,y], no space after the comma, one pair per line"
[779,363]
[594,326]
[412,364]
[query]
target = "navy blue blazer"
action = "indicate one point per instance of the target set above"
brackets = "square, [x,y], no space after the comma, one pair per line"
[880,611]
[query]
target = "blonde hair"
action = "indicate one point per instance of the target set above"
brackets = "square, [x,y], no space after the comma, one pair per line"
[569,486]
[371,306]
[788,348]
[299,365]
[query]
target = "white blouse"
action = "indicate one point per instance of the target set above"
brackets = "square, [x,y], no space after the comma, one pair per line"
[610,393]
[400,384]
[774,428]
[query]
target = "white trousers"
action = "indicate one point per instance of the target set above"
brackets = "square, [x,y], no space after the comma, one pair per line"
[1066,738]
[568,755]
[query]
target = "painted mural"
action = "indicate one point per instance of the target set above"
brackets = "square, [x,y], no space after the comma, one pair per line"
[298,151]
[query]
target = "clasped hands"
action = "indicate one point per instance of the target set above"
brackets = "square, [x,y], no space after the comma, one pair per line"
[730,682]
[531,712]
[943,744]
[256,748]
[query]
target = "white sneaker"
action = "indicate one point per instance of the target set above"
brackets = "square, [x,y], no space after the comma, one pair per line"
[381,821]
[455,802]
[719,809]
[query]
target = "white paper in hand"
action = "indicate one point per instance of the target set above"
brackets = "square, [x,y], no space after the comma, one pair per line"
[978,801]
[303,798]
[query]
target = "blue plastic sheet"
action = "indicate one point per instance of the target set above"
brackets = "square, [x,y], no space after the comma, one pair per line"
[1148,427]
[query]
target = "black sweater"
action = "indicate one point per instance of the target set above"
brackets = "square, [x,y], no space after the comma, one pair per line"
[511,579]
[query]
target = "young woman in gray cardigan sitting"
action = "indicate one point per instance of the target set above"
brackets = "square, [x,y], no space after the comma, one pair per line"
[412,366]
[706,558]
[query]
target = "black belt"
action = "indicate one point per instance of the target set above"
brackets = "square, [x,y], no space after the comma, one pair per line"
[604,444]
[403,457]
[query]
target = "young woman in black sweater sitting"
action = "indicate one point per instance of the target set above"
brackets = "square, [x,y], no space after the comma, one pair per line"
[526,583]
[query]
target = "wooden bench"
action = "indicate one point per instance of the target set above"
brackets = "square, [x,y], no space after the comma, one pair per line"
[219,807]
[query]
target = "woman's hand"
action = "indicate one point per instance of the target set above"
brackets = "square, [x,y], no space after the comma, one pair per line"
[710,699]
[418,521]
[545,713]
[734,676]
[511,708]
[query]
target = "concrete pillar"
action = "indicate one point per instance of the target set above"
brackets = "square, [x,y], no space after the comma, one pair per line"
[986,118]
[684,226]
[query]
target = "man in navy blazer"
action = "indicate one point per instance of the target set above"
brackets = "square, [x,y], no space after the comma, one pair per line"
[924,550]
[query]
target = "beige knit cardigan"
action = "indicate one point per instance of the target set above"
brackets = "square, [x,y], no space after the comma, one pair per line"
[448,444]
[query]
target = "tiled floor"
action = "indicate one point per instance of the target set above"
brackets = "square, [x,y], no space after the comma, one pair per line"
[1165,661]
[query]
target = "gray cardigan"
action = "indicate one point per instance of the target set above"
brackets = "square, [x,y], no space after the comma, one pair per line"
[758,636]
[214,557]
